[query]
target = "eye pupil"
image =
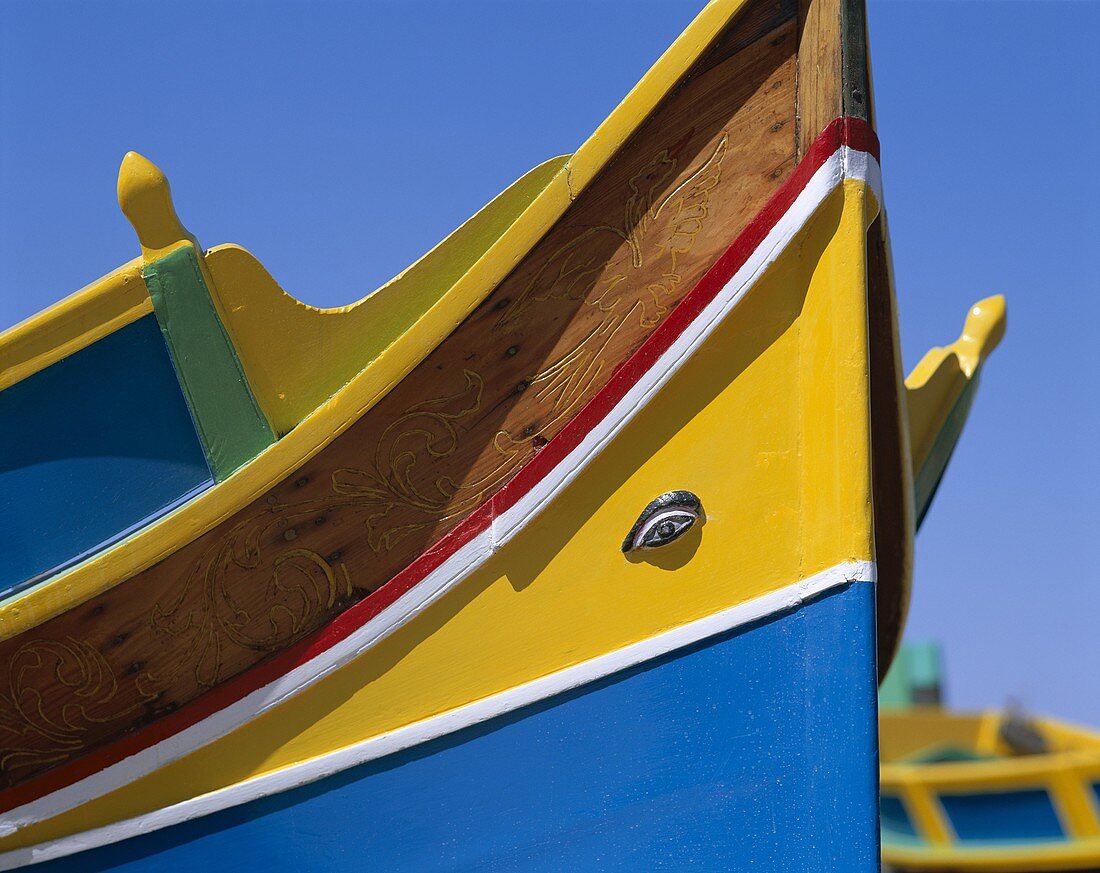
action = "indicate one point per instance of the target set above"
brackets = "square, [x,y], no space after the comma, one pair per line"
[665,529]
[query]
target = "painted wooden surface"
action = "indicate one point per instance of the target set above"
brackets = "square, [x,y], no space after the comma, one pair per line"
[101,308]
[90,447]
[270,640]
[332,418]
[939,393]
[833,80]
[473,413]
[230,423]
[281,340]
[891,470]
[794,468]
[982,806]
[671,760]
[819,66]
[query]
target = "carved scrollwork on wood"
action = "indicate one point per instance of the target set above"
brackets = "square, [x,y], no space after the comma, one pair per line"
[405,487]
[58,691]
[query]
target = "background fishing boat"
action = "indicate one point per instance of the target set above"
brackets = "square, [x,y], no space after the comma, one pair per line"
[985,545]
[374,558]
[997,790]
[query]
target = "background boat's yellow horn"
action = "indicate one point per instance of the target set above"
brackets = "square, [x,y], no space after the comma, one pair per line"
[982,333]
[940,390]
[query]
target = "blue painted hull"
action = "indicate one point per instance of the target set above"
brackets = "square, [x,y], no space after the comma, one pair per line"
[755,750]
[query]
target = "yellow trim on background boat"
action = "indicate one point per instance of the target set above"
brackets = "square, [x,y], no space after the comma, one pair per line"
[904,731]
[98,309]
[1066,772]
[989,733]
[1076,808]
[1080,855]
[937,382]
[789,497]
[325,423]
[927,812]
[1000,774]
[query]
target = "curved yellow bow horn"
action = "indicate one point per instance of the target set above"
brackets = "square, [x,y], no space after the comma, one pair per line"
[982,333]
[146,200]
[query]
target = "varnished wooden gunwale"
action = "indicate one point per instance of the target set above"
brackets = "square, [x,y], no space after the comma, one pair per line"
[819,74]
[456,429]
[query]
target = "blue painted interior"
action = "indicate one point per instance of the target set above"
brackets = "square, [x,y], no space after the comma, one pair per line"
[90,448]
[753,751]
[896,821]
[1003,816]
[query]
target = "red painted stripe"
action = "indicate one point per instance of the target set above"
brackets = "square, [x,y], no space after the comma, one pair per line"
[852,132]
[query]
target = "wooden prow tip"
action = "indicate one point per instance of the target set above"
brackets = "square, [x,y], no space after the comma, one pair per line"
[146,200]
[982,333]
[940,390]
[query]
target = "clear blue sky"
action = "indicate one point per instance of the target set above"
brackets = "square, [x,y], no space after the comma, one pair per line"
[338,141]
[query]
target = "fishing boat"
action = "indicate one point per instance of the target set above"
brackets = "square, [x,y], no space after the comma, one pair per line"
[561,550]
[988,791]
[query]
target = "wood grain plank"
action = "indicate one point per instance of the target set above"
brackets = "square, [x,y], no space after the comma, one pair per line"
[819,68]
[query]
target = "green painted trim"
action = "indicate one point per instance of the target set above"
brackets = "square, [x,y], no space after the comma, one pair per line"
[231,426]
[915,678]
[894,691]
[924,664]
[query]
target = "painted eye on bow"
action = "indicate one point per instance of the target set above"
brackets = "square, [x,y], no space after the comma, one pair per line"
[666,519]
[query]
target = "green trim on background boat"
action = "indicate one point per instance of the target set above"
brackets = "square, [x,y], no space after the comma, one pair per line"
[915,677]
[924,665]
[926,480]
[231,426]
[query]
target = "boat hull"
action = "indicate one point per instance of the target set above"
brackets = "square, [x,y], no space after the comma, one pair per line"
[724,752]
[111,446]
[697,303]
[505,602]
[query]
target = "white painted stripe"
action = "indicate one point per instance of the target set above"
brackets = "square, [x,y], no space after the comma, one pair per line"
[844,163]
[774,602]
[861,165]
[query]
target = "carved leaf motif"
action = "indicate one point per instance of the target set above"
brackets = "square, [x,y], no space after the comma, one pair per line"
[35,733]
